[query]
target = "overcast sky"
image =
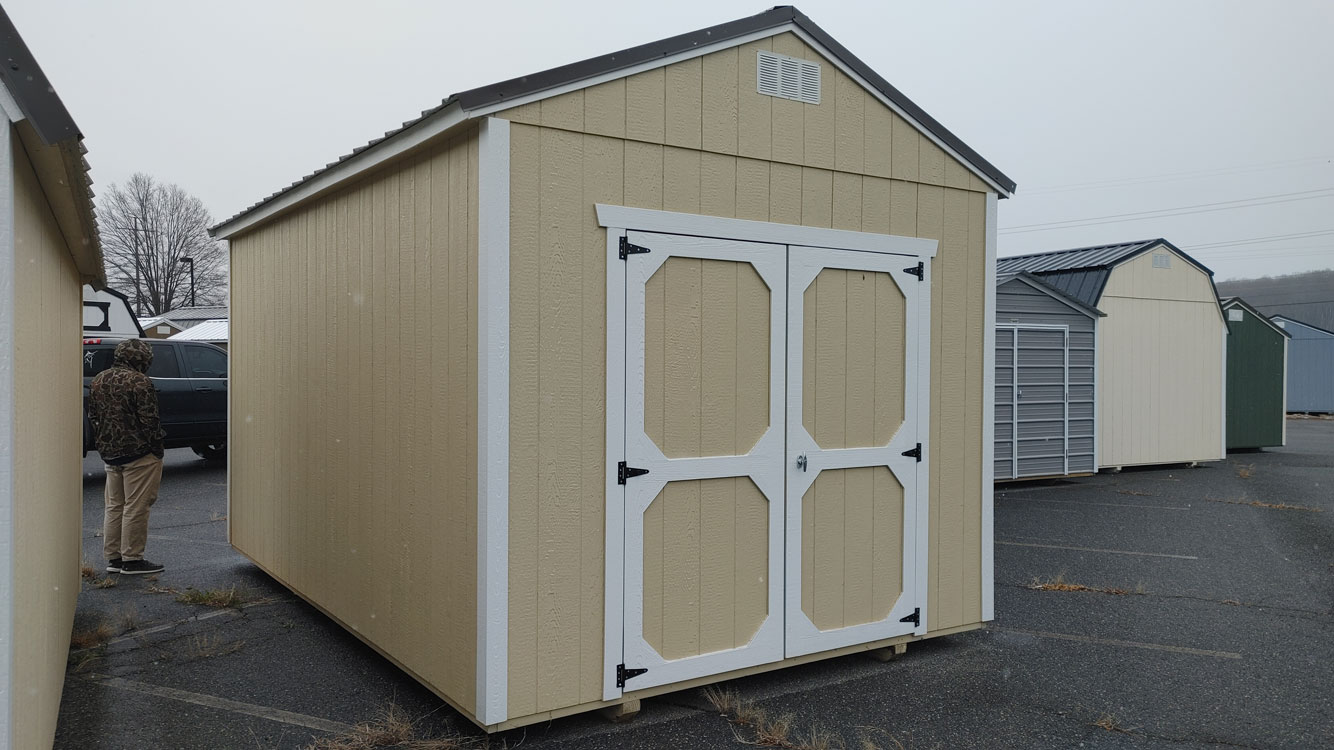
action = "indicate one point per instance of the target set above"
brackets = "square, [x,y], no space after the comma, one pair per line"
[1097,110]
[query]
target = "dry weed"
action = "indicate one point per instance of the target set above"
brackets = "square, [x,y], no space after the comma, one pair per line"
[87,571]
[1247,471]
[103,583]
[213,597]
[129,619]
[92,635]
[1136,493]
[209,645]
[778,731]
[393,728]
[1060,584]
[1109,723]
[1231,602]
[1260,504]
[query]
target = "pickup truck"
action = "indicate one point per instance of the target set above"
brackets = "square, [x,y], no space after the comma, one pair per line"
[191,381]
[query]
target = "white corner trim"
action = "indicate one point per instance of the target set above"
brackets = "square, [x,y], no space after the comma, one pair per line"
[1284,414]
[10,106]
[7,269]
[1222,410]
[493,419]
[671,222]
[613,607]
[989,418]
[390,148]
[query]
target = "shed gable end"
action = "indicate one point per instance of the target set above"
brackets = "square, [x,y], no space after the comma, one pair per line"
[1144,278]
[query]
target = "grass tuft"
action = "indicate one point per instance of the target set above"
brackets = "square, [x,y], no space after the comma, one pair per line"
[393,728]
[209,645]
[1060,584]
[1109,723]
[1260,504]
[219,598]
[1247,471]
[87,571]
[103,583]
[92,636]
[753,725]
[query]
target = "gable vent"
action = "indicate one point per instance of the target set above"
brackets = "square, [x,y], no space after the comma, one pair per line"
[788,78]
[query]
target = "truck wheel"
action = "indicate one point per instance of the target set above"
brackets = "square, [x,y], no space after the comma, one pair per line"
[214,452]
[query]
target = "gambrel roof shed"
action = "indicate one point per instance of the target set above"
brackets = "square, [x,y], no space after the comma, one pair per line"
[560,371]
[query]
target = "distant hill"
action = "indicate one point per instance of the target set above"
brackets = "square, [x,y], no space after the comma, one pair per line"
[1308,297]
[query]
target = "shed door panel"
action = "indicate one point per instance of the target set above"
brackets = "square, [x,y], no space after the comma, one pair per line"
[704,415]
[854,331]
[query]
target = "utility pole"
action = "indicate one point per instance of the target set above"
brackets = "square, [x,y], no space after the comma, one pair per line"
[191,261]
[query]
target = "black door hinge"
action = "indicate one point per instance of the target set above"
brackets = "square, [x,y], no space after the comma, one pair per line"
[623,674]
[918,270]
[915,618]
[915,453]
[628,248]
[624,472]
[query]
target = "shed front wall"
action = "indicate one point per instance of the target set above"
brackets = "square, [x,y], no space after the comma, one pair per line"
[47,482]
[354,409]
[1310,369]
[1255,374]
[1161,368]
[695,137]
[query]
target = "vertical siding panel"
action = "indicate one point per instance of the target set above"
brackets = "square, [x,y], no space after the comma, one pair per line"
[789,116]
[681,567]
[528,114]
[754,110]
[466,490]
[849,123]
[754,301]
[718,430]
[565,111]
[875,205]
[428,482]
[817,197]
[560,331]
[879,133]
[951,451]
[847,195]
[643,175]
[718,189]
[903,152]
[974,429]
[684,107]
[720,105]
[378,396]
[785,193]
[931,162]
[752,189]
[903,212]
[680,182]
[526,204]
[604,109]
[930,224]
[645,100]
[956,174]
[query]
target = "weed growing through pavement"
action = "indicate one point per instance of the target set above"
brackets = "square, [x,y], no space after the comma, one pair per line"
[393,728]
[1109,723]
[209,645]
[1247,471]
[87,571]
[92,635]
[1060,584]
[1259,504]
[103,583]
[219,598]
[1136,493]
[753,725]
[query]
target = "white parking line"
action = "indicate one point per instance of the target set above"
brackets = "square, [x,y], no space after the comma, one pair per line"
[1104,505]
[223,704]
[1127,644]
[1095,549]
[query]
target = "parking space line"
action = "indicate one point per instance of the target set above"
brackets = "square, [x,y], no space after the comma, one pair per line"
[1104,505]
[1095,549]
[1127,644]
[223,704]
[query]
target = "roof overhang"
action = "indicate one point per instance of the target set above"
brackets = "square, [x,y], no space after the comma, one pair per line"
[484,101]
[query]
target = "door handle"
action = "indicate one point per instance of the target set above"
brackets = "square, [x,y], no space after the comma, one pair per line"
[801,462]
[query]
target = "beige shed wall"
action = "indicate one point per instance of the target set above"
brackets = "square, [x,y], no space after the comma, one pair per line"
[48,490]
[354,409]
[1160,366]
[695,137]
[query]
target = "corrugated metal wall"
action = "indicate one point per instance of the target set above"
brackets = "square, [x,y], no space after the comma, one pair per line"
[1310,369]
[1254,382]
[1031,413]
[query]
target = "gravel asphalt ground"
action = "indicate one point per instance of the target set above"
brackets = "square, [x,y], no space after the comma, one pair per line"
[1223,638]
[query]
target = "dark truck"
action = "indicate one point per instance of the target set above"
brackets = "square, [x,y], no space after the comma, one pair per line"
[191,382]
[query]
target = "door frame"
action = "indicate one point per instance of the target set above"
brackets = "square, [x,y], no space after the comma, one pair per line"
[1064,328]
[618,220]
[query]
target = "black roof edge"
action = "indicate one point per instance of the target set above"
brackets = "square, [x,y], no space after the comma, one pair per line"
[1291,319]
[1038,283]
[133,316]
[31,90]
[516,88]
[1227,302]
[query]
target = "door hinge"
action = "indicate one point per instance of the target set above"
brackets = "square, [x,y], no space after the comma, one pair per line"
[624,472]
[628,248]
[623,674]
[918,270]
[915,453]
[915,618]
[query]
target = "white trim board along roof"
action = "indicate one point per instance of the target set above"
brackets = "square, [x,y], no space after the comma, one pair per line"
[479,102]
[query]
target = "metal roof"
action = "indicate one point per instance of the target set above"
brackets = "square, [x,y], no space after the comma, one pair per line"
[1286,319]
[623,60]
[1082,272]
[209,330]
[202,312]
[1043,285]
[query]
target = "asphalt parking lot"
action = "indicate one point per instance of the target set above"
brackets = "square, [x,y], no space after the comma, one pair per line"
[1175,607]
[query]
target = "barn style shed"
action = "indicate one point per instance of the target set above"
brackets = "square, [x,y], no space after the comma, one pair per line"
[1046,402]
[1310,366]
[1161,353]
[652,370]
[1257,359]
[49,249]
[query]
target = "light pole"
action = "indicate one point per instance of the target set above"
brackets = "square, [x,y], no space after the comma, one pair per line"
[191,261]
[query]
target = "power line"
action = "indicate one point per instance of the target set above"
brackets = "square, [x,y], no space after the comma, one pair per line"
[1269,238]
[1202,208]
[1175,176]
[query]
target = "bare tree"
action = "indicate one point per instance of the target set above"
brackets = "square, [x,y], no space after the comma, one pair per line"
[153,236]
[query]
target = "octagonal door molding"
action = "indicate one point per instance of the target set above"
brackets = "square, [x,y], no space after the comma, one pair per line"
[705,323]
[857,379]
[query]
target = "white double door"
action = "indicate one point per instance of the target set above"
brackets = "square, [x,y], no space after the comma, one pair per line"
[772,504]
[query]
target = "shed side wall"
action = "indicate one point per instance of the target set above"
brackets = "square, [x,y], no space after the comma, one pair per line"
[48,426]
[695,137]
[1160,348]
[1254,383]
[354,409]
[1310,362]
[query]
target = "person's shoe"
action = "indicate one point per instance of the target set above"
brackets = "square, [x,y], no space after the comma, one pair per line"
[113,566]
[139,567]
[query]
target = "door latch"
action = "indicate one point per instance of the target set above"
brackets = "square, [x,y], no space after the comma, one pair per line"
[801,462]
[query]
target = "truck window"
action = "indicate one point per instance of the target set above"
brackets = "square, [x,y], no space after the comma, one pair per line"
[164,362]
[96,360]
[205,362]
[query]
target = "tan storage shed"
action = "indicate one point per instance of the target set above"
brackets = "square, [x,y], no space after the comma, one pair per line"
[676,359]
[1161,361]
[48,250]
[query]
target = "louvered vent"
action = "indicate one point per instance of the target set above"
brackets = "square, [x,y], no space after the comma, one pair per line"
[788,77]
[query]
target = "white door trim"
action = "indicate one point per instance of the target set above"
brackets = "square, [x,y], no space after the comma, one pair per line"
[989,416]
[7,333]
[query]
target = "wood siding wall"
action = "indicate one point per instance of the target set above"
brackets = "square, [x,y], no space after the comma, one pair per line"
[1160,361]
[48,490]
[354,409]
[695,137]
[1256,368]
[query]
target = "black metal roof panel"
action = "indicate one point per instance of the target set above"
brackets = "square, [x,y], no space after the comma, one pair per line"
[1099,256]
[1044,284]
[31,91]
[516,88]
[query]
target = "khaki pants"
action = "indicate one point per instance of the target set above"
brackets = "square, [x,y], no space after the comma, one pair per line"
[130,491]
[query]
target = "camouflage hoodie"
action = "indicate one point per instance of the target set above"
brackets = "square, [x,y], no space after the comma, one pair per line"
[122,405]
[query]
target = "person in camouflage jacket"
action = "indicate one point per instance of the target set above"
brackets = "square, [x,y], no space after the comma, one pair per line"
[123,409]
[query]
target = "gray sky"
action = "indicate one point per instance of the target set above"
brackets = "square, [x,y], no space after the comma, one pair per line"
[1096,109]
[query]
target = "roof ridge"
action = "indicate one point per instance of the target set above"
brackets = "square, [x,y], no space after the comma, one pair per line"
[1135,243]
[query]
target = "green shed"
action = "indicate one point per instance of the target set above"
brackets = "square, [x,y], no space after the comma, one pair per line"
[1257,363]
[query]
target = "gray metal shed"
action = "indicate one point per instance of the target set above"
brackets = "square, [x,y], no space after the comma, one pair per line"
[1046,407]
[1310,366]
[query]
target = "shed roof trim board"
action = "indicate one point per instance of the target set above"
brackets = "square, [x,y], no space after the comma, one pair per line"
[1057,294]
[1239,302]
[1294,321]
[484,100]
